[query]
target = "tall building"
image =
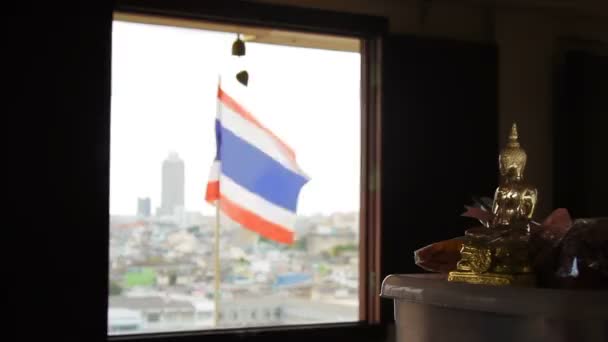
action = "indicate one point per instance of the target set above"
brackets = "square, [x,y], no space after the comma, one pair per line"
[172,192]
[143,207]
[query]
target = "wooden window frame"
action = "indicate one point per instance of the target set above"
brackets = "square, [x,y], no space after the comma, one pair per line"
[369,30]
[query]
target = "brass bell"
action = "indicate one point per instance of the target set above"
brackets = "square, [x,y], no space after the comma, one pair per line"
[238,47]
[243,77]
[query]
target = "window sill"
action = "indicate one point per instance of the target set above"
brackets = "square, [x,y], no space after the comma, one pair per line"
[357,331]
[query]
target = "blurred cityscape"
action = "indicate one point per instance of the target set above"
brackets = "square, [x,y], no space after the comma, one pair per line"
[162,268]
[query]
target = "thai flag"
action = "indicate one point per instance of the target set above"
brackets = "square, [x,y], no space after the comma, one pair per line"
[254,176]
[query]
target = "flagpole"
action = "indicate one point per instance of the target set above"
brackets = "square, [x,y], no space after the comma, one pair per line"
[216,292]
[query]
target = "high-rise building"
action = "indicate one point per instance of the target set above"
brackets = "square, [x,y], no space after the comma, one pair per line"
[172,192]
[143,207]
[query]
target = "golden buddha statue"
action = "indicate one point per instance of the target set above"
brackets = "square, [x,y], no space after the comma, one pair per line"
[498,254]
[514,200]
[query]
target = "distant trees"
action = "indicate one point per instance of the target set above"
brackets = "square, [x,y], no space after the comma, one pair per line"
[115,289]
[172,279]
[299,244]
[339,249]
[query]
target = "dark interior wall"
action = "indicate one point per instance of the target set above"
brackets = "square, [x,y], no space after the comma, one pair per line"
[439,134]
[581,139]
[526,54]
[79,152]
[595,109]
[439,19]
[60,60]
[528,51]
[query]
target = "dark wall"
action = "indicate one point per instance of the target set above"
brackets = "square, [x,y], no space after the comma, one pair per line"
[60,61]
[439,142]
[581,134]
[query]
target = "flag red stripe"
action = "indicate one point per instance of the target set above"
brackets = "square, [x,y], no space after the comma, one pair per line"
[237,108]
[255,222]
[213,191]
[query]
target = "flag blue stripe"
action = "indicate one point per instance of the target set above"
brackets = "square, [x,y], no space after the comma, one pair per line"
[257,172]
[218,139]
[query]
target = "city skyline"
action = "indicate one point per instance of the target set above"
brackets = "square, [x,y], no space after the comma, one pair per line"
[172,188]
[159,265]
[145,204]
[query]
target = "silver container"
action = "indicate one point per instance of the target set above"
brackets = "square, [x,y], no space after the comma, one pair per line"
[428,308]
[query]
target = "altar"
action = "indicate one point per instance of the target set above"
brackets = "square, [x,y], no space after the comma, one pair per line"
[428,308]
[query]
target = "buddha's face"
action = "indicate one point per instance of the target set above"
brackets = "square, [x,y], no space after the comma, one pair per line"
[512,162]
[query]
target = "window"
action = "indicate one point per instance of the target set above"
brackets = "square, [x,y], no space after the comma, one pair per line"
[164,86]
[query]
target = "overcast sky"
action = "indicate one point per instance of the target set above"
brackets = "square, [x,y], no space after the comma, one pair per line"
[164,83]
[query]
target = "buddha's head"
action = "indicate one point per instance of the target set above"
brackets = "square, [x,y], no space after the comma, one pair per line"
[512,159]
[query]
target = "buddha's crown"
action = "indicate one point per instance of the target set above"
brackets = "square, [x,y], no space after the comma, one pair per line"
[512,159]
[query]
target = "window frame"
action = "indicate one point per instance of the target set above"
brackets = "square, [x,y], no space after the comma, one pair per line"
[369,30]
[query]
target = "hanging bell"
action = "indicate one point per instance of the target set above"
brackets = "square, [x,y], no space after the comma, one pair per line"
[238,47]
[243,77]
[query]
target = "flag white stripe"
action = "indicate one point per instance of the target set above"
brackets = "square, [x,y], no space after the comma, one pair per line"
[256,204]
[214,173]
